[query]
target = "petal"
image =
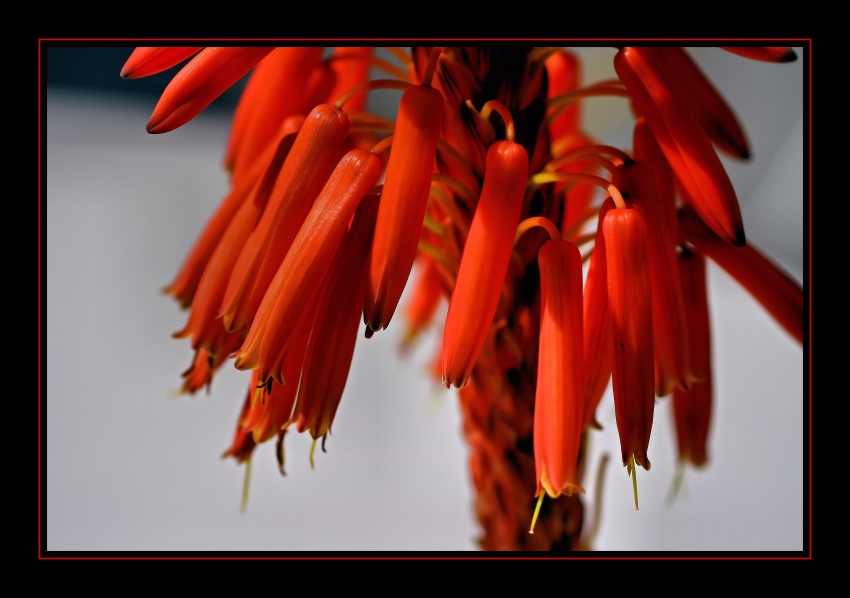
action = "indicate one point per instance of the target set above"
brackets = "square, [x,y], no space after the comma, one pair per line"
[765,54]
[598,342]
[669,323]
[630,301]
[775,289]
[484,263]
[337,324]
[403,201]
[685,144]
[559,401]
[200,82]
[703,100]
[275,90]
[692,408]
[144,62]
[313,157]
[301,274]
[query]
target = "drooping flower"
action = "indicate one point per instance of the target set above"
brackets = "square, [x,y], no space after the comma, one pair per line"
[559,404]
[307,242]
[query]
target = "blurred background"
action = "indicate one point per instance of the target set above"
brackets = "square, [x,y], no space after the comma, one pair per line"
[131,466]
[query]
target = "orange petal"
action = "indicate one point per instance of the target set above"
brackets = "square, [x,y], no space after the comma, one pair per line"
[271,408]
[485,260]
[647,150]
[776,290]
[144,62]
[564,71]
[200,82]
[692,408]
[669,323]
[765,54]
[684,142]
[300,276]
[559,401]
[703,100]
[630,301]
[337,324]
[313,156]
[403,201]
[273,92]
[598,342]
[243,444]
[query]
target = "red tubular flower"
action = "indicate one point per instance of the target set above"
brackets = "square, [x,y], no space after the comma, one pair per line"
[243,444]
[692,408]
[299,278]
[476,293]
[646,150]
[272,405]
[564,73]
[198,83]
[314,155]
[598,342]
[403,201]
[763,53]
[778,293]
[337,323]
[629,298]
[669,323]
[559,402]
[273,92]
[144,62]
[704,101]
[684,142]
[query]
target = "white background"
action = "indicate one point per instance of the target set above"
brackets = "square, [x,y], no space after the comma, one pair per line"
[130,467]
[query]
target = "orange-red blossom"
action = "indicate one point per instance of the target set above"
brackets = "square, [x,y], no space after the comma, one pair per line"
[631,325]
[485,260]
[559,402]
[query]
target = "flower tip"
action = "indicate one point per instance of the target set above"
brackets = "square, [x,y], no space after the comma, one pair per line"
[739,239]
[154,127]
[789,56]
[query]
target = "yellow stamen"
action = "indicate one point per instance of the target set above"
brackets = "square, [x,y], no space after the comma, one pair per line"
[542,178]
[530,223]
[382,145]
[312,450]
[634,479]
[503,111]
[536,512]
[246,482]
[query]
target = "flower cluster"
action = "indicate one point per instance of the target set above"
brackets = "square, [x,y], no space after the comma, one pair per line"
[487,179]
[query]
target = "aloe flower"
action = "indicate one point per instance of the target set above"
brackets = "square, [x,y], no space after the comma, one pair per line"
[488,180]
